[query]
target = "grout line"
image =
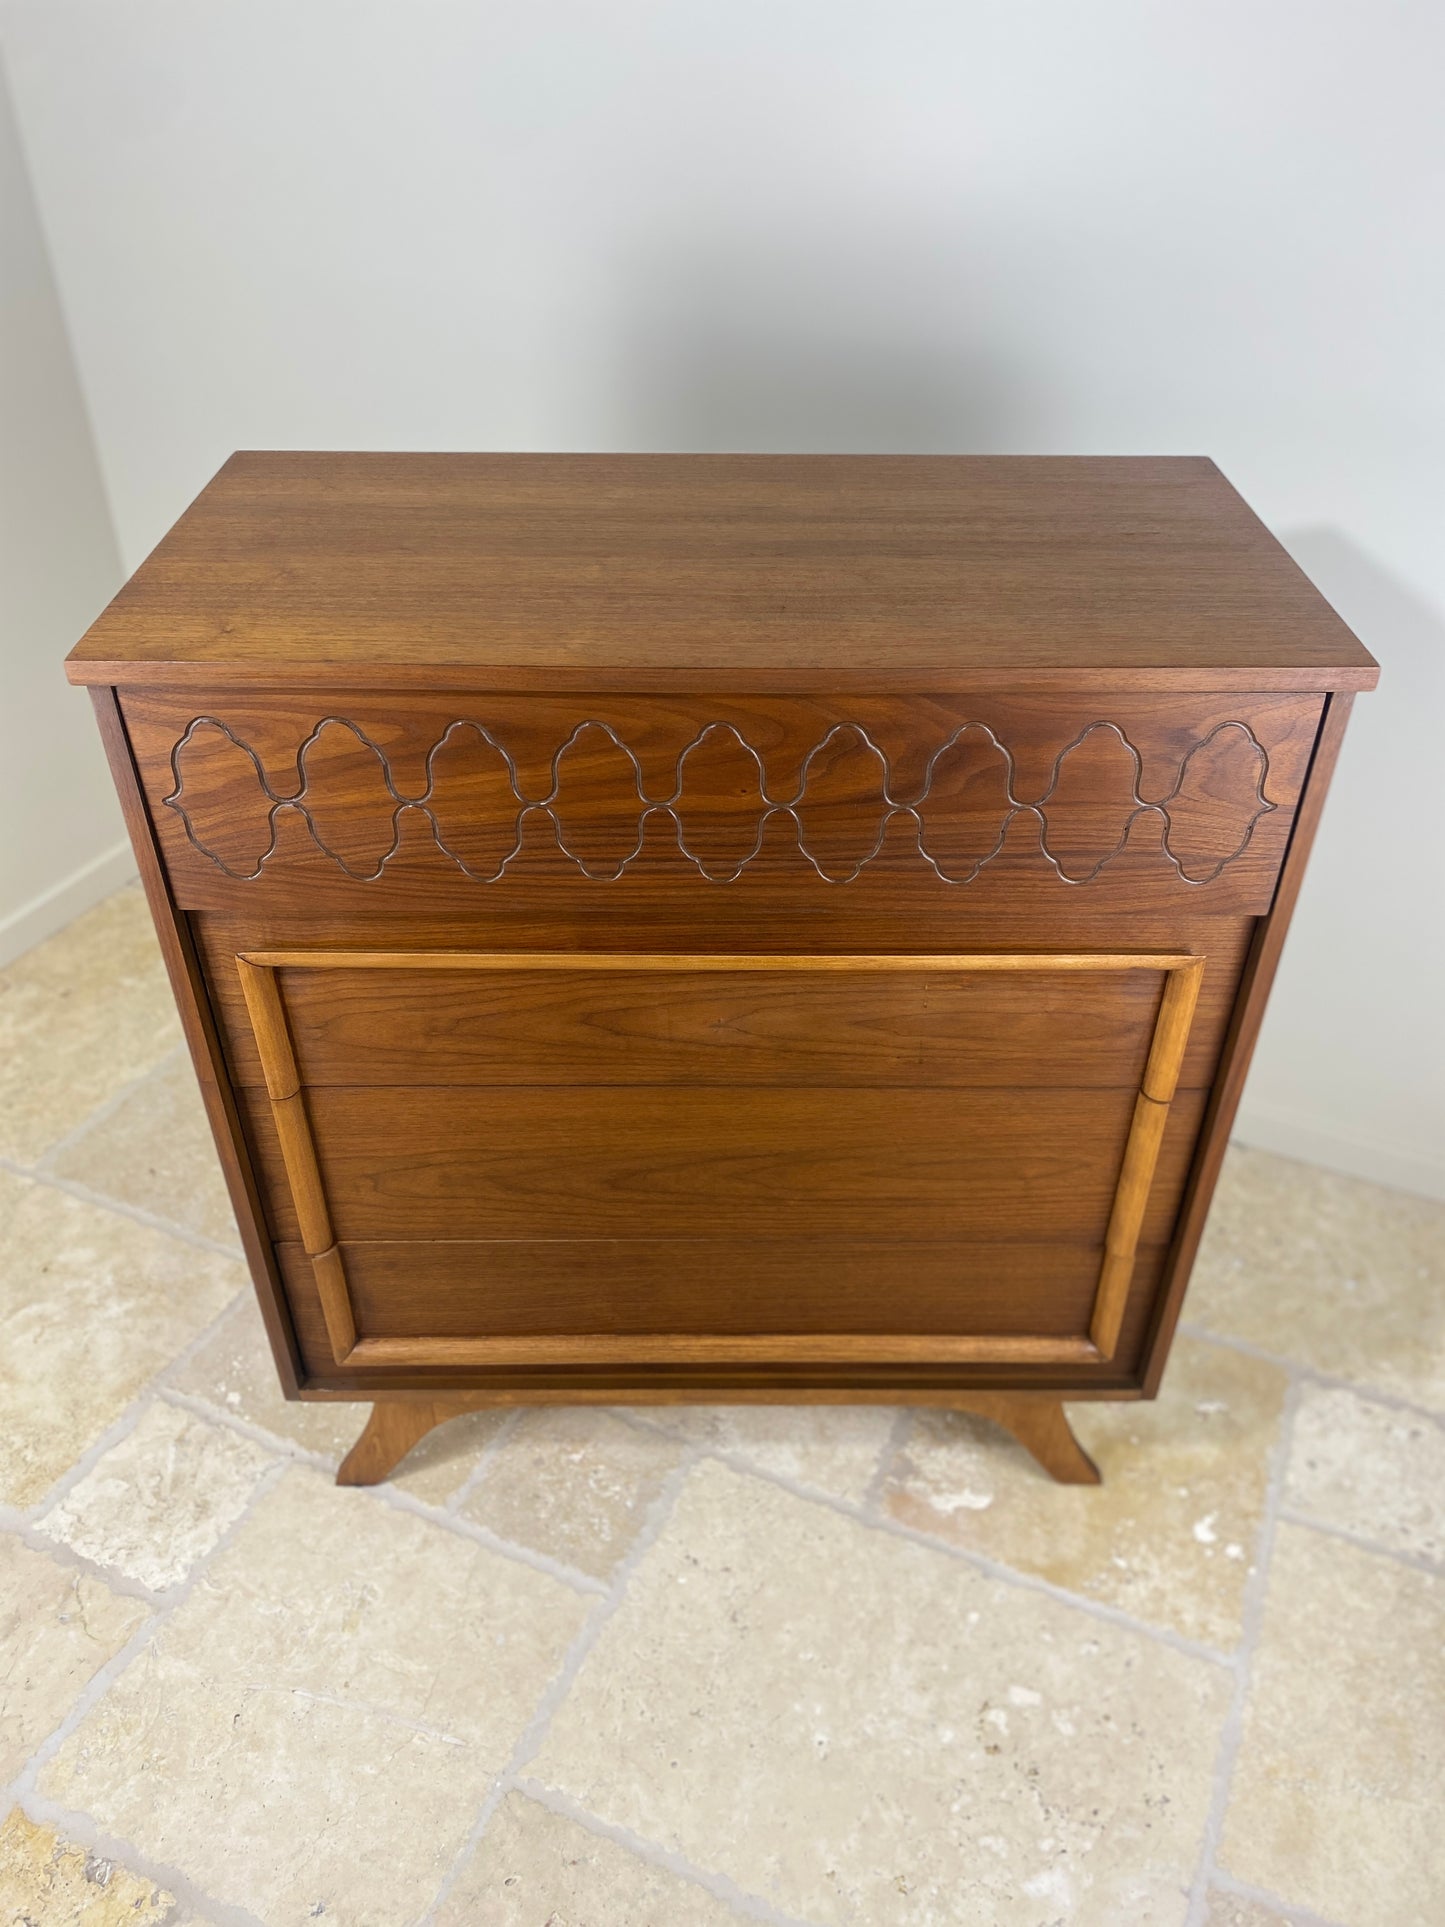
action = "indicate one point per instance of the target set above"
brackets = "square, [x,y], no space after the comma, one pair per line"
[105,1676]
[84,1195]
[980,1561]
[1256,1589]
[119,1427]
[1296,1916]
[217,1415]
[749,1906]
[83,1831]
[488,1452]
[105,1110]
[387,1493]
[390,1495]
[529,1741]
[78,1563]
[892,1449]
[640,1418]
[1312,1375]
[1417,1562]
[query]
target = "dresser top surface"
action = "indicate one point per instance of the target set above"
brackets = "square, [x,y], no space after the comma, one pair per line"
[683,571]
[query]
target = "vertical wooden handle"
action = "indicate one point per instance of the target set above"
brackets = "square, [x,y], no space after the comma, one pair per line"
[1141,1151]
[298,1152]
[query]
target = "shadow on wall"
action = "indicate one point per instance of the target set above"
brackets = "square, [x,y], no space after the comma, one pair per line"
[1395,623]
[1393,742]
[1350,1070]
[749,346]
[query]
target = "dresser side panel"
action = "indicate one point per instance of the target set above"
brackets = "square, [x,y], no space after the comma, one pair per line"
[203,1040]
[1256,980]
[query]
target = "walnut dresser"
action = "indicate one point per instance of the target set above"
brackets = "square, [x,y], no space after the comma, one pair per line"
[720,927]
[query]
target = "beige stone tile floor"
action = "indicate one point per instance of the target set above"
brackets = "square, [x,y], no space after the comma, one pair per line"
[825,1668]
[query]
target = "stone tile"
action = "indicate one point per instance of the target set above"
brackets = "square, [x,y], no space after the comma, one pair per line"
[1336,1797]
[46,1881]
[859,1728]
[534,1868]
[155,1151]
[80,1016]
[234,1372]
[834,1448]
[311,1732]
[573,1482]
[1169,1535]
[1343,1276]
[58,1627]
[441,1463]
[161,1499]
[92,1305]
[1369,1469]
[1228,1910]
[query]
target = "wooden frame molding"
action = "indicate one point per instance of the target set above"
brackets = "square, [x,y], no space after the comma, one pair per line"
[266,1008]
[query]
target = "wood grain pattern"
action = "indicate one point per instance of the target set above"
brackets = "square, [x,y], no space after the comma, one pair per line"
[1170,1042]
[1042,1427]
[732,1286]
[538,572]
[756,799]
[270,1031]
[1065,1161]
[1141,1153]
[922,1023]
[203,1040]
[394,1427]
[1256,980]
[713,1348]
[580,1162]
[365,1026]
[698,706]
[329,1270]
[458,1163]
[927,1383]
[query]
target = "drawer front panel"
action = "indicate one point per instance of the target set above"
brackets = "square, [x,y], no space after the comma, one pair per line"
[1063,1167]
[403,1026]
[451,1282]
[603,1027]
[734,1286]
[589,1163]
[498,803]
[1041,1165]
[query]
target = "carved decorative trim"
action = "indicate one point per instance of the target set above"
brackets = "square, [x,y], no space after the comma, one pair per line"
[350,1346]
[309,807]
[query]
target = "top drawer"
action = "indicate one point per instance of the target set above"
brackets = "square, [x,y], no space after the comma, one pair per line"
[456,806]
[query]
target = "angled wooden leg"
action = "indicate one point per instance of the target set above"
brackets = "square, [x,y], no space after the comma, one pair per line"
[395,1426]
[1041,1427]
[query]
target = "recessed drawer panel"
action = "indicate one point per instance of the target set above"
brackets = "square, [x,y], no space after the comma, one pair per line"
[622,1026]
[732,1286]
[901,1156]
[471,1296]
[589,1162]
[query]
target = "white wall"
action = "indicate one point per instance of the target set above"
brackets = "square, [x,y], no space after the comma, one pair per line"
[62,847]
[1202,226]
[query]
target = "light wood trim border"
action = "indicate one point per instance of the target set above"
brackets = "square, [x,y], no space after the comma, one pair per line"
[736,960]
[267,1012]
[298,1152]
